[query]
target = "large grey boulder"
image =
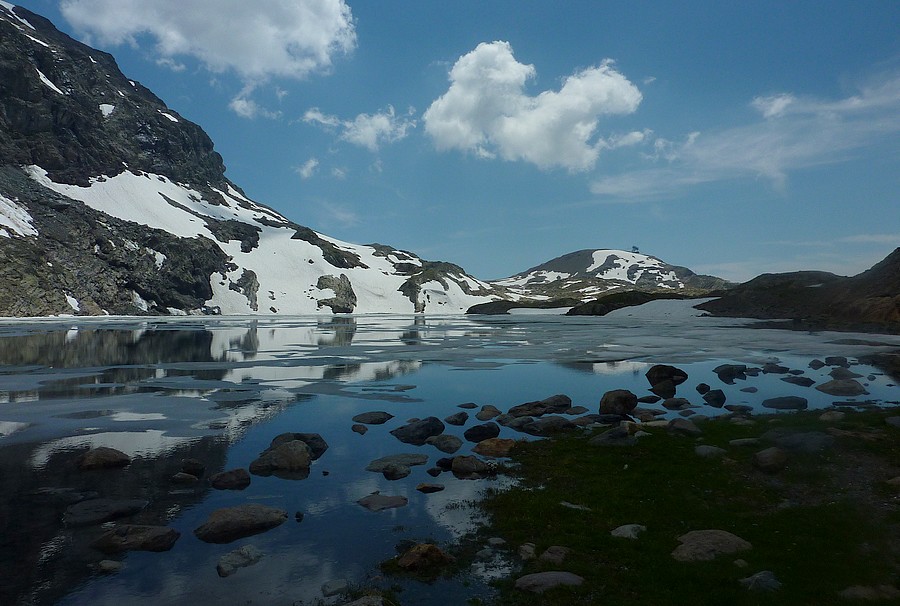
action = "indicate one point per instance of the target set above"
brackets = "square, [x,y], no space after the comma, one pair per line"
[703,545]
[663,372]
[287,459]
[618,402]
[231,523]
[317,445]
[445,443]
[477,433]
[418,431]
[842,387]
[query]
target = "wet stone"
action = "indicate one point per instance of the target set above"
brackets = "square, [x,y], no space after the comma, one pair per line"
[97,511]
[457,419]
[234,479]
[229,563]
[380,502]
[377,417]
[801,381]
[135,537]
[231,523]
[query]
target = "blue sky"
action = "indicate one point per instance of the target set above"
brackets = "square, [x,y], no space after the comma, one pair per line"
[732,138]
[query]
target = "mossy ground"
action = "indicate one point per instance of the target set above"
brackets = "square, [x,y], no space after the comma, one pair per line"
[826,522]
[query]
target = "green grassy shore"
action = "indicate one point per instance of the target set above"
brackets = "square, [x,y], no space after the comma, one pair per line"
[828,521]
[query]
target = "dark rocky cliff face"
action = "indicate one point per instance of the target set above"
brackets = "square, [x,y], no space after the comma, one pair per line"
[68,134]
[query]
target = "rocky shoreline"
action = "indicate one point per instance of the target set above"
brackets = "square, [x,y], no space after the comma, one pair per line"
[624,421]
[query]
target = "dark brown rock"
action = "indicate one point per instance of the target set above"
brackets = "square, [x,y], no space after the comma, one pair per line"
[103,458]
[133,537]
[232,523]
[618,402]
[233,479]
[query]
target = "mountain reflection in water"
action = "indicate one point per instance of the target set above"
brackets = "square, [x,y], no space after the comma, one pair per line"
[219,389]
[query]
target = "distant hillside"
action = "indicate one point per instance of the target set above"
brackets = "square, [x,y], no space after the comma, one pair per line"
[868,301]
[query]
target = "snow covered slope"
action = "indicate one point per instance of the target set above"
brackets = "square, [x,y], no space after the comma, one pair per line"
[585,274]
[110,202]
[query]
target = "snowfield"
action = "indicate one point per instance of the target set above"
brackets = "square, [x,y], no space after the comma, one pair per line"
[287,269]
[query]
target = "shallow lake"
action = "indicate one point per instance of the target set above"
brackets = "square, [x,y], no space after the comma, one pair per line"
[219,389]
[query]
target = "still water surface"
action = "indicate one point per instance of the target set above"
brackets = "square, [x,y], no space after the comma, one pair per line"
[219,390]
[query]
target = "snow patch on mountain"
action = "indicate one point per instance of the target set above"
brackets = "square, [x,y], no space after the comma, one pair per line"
[271,269]
[14,217]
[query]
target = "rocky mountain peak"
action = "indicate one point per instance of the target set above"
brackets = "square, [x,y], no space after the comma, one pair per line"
[68,108]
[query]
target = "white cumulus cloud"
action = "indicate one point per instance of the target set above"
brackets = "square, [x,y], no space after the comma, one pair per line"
[366,130]
[488,112]
[255,40]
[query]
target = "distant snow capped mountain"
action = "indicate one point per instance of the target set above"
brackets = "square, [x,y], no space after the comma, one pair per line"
[586,274]
[110,202]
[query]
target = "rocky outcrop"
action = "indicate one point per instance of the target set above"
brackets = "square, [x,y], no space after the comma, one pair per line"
[867,301]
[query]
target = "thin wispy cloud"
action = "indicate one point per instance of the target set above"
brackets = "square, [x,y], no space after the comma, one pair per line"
[370,131]
[487,112]
[793,133]
[308,168]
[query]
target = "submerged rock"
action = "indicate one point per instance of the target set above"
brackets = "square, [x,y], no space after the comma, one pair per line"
[727,373]
[380,502]
[317,445]
[445,443]
[404,460]
[424,557]
[469,468]
[103,458]
[488,412]
[97,511]
[786,403]
[229,563]
[418,431]
[234,479]
[134,537]
[457,419]
[842,387]
[663,372]
[477,433]
[715,398]
[231,523]
[287,459]
[373,418]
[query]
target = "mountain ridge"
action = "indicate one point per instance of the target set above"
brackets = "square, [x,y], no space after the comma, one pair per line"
[113,203]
